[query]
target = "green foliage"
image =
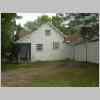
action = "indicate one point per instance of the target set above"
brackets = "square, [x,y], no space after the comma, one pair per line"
[31,26]
[77,22]
[18,30]
[56,21]
[8,25]
[87,24]
[44,19]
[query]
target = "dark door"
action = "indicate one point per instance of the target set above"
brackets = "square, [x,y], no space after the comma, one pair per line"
[24,52]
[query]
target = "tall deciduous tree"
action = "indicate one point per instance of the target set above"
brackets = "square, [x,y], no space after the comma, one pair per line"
[57,22]
[44,19]
[8,26]
[87,24]
[30,26]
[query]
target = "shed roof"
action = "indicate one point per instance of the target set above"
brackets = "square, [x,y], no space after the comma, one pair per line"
[75,38]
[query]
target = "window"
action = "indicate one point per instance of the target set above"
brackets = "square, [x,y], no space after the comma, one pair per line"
[55,45]
[39,47]
[47,32]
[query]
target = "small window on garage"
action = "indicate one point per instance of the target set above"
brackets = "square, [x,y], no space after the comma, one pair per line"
[47,32]
[39,47]
[55,45]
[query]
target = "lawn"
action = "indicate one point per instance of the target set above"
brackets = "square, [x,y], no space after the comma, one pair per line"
[50,74]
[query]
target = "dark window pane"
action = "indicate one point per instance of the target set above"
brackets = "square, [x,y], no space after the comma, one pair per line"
[55,45]
[39,47]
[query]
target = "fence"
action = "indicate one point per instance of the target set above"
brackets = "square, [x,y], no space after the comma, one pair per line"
[88,52]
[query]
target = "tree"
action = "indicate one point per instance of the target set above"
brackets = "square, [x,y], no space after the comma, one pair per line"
[57,22]
[8,26]
[30,26]
[44,19]
[19,28]
[86,24]
[80,22]
[33,25]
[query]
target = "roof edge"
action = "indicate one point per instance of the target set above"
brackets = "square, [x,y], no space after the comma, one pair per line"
[50,24]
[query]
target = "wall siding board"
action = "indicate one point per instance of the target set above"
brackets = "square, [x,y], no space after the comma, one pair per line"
[92,52]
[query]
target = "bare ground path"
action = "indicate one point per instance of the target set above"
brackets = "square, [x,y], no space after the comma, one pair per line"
[24,77]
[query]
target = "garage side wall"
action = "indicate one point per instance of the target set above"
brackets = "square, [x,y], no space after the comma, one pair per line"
[93,52]
[87,52]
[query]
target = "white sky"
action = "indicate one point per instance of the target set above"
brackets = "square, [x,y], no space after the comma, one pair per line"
[30,17]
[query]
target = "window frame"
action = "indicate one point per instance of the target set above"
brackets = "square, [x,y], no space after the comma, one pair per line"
[39,47]
[55,45]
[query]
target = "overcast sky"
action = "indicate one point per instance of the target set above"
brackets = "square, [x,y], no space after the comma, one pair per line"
[30,17]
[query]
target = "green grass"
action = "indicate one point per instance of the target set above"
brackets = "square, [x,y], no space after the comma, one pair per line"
[81,75]
[74,74]
[65,83]
[5,67]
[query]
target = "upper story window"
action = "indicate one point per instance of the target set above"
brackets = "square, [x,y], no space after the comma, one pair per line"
[39,47]
[47,32]
[55,45]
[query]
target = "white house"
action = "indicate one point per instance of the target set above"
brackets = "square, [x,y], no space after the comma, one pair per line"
[44,44]
[47,43]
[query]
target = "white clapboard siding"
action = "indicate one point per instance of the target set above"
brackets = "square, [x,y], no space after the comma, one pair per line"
[92,54]
[80,52]
[48,52]
[76,52]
